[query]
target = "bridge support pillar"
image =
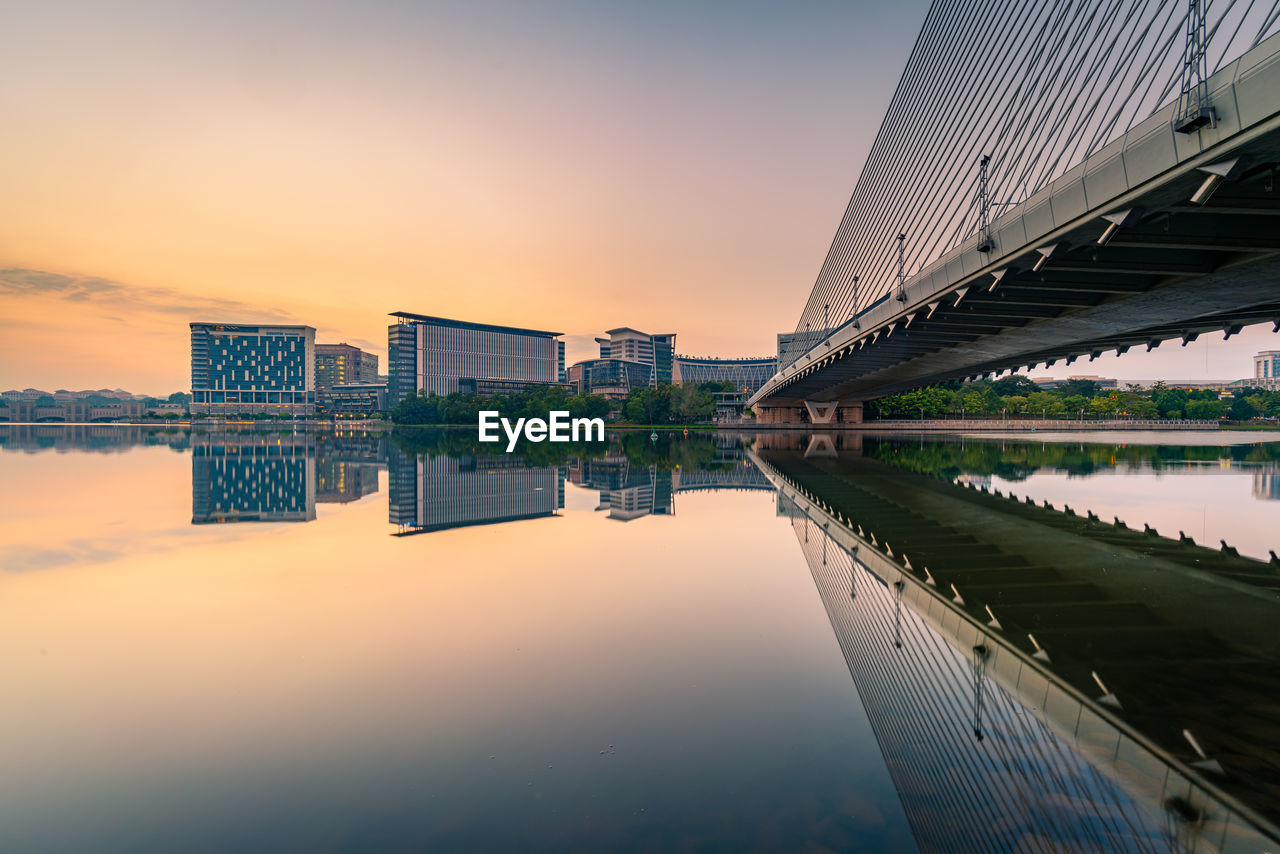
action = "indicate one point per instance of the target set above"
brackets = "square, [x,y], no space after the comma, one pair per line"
[780,415]
[834,412]
[821,413]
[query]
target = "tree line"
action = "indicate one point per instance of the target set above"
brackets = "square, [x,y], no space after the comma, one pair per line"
[665,404]
[1017,396]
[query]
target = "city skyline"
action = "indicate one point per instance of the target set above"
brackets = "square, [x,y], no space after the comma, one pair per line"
[566,167]
[569,168]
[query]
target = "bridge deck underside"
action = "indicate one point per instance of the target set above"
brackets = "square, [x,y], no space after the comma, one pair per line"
[1177,271]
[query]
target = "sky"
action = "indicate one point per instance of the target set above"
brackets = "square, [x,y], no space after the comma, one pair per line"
[573,166]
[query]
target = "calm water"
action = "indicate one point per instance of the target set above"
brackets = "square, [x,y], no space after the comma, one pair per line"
[280,642]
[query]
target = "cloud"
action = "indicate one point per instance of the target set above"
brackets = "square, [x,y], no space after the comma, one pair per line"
[109,294]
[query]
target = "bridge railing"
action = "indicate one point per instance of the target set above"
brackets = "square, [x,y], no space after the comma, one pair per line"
[952,424]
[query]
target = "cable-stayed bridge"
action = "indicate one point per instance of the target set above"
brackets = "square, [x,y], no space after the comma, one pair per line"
[1050,182]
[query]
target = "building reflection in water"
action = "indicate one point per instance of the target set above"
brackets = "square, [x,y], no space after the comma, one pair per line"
[627,490]
[253,478]
[1038,680]
[347,467]
[264,477]
[1266,485]
[432,493]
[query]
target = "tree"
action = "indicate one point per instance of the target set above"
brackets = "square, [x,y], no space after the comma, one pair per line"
[1084,388]
[1242,409]
[1014,384]
[1168,400]
[1205,410]
[691,404]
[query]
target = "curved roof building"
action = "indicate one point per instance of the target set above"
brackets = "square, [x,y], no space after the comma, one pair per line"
[745,374]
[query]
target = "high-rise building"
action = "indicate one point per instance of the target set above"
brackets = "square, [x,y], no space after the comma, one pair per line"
[431,354]
[342,364]
[631,345]
[239,369]
[745,374]
[1266,369]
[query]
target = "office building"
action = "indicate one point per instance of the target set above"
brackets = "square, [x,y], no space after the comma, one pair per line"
[239,369]
[1266,370]
[611,378]
[356,399]
[745,374]
[655,351]
[430,355]
[341,364]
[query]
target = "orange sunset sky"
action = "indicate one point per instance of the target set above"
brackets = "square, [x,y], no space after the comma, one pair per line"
[571,166]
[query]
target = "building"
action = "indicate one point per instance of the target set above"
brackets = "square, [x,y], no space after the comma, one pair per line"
[655,351]
[1266,370]
[611,378]
[432,354]
[1099,382]
[745,374]
[340,364]
[82,411]
[792,345]
[356,399]
[239,369]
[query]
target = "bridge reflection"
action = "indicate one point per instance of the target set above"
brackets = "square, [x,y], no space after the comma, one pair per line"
[1041,680]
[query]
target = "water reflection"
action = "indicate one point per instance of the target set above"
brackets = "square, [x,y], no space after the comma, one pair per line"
[436,493]
[1035,675]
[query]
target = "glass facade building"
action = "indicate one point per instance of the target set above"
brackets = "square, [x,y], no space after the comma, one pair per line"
[745,374]
[239,370]
[611,378]
[431,354]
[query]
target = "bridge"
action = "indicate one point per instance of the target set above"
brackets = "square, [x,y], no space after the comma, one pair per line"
[1036,196]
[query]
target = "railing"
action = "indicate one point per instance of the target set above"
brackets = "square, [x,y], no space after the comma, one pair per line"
[1036,423]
